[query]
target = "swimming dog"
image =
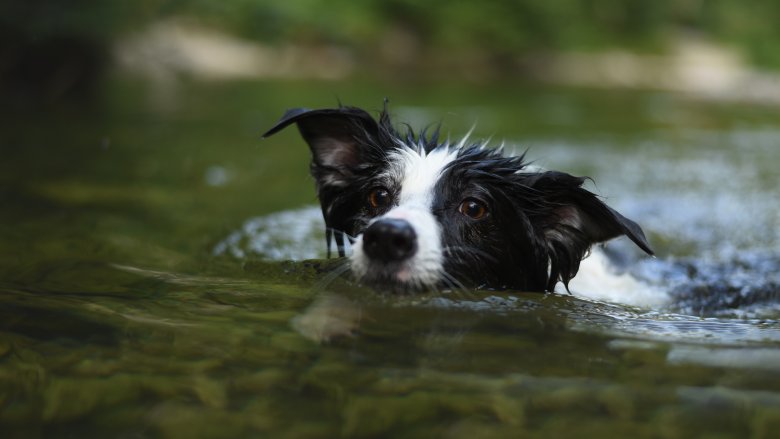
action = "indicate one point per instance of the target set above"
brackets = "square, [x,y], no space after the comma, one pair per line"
[422,212]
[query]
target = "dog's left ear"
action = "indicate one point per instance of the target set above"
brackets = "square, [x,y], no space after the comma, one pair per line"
[336,137]
[573,209]
[573,218]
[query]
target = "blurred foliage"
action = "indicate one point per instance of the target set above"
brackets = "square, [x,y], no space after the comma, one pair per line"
[49,47]
[509,26]
[502,26]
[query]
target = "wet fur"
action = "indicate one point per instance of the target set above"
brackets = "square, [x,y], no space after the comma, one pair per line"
[540,224]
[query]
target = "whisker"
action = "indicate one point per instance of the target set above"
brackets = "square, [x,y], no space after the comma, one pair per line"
[329,278]
[452,281]
[461,294]
[469,251]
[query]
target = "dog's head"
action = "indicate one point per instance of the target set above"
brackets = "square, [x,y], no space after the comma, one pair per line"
[424,212]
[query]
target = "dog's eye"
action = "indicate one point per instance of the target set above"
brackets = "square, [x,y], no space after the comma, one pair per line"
[378,198]
[473,209]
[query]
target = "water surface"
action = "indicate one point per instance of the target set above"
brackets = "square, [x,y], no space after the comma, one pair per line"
[135,299]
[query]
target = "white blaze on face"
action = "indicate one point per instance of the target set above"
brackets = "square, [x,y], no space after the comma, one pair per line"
[417,174]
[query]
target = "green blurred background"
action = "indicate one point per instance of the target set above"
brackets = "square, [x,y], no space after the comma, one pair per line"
[51,48]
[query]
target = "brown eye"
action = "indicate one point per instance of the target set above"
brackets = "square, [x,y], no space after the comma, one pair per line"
[473,209]
[378,198]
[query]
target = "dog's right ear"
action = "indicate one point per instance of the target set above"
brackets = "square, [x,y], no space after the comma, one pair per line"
[336,137]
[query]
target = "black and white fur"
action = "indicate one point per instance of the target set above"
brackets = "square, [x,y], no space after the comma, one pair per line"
[421,212]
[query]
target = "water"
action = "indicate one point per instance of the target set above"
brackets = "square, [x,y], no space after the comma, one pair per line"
[143,291]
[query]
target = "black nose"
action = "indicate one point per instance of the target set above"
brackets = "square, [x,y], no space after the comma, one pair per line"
[390,240]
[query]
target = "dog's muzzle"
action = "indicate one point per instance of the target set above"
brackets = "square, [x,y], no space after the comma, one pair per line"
[390,240]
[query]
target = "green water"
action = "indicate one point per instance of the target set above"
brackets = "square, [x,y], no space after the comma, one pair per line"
[118,319]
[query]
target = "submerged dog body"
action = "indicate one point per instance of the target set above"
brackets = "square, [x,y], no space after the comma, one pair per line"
[421,212]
